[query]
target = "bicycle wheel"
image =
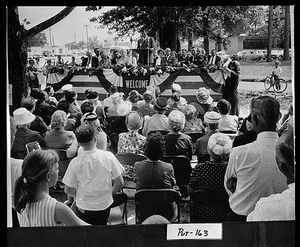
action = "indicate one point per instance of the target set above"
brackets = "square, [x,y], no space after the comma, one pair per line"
[280,86]
[267,83]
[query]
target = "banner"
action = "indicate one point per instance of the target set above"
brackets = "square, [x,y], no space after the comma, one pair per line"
[138,83]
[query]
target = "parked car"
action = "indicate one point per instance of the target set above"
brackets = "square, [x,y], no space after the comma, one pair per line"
[250,55]
[223,54]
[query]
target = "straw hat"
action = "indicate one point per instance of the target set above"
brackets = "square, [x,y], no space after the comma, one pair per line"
[124,108]
[212,117]
[23,116]
[67,87]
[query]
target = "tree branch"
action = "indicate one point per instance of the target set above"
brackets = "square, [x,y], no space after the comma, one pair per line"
[50,22]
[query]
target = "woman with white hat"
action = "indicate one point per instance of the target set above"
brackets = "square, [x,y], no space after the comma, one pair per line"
[178,143]
[211,120]
[209,175]
[24,135]
[132,141]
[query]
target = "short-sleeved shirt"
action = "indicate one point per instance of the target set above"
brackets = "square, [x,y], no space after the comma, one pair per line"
[275,207]
[131,142]
[228,123]
[91,174]
[257,173]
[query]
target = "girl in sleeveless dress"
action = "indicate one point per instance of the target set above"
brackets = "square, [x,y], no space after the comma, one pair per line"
[32,201]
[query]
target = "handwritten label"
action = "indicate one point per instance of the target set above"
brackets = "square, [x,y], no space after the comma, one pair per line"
[194,231]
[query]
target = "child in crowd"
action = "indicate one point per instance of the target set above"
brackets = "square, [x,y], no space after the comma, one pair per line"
[89,178]
[32,201]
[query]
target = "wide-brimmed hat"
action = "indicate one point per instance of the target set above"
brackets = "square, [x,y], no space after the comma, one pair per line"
[211,117]
[160,104]
[124,108]
[85,133]
[134,121]
[219,143]
[203,97]
[23,116]
[176,87]
[67,87]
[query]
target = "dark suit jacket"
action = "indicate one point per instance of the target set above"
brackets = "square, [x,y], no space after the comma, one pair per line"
[85,61]
[95,62]
[218,59]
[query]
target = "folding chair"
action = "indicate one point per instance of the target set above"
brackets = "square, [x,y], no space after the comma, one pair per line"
[128,160]
[194,135]
[182,170]
[164,202]
[63,161]
[118,210]
[163,132]
[209,206]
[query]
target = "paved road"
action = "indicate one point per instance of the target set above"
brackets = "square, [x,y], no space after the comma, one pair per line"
[259,86]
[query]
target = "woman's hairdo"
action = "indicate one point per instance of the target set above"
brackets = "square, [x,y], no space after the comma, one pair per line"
[154,147]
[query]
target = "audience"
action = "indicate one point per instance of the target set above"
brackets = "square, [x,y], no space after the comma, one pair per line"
[72,122]
[211,120]
[192,122]
[159,121]
[74,108]
[24,135]
[43,109]
[132,141]
[279,206]
[247,133]
[58,137]
[228,123]
[204,99]
[145,106]
[178,143]
[176,89]
[210,175]
[33,203]
[253,165]
[38,123]
[133,97]
[153,173]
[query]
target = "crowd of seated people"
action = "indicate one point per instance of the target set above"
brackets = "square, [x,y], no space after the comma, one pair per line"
[133,119]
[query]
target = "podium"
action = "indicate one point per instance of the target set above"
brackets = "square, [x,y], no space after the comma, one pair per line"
[143,55]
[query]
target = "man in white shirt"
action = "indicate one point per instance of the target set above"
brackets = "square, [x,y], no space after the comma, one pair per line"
[253,165]
[279,206]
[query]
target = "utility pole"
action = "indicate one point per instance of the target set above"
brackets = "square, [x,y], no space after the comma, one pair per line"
[75,37]
[87,36]
[50,36]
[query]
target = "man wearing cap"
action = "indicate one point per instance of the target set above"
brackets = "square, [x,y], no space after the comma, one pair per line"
[253,165]
[159,121]
[89,178]
[66,88]
[211,120]
[24,135]
[132,141]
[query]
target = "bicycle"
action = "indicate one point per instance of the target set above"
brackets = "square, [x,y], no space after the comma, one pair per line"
[279,85]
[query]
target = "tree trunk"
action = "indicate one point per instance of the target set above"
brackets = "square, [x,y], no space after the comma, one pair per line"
[205,27]
[17,57]
[169,36]
[190,40]
[286,41]
[17,50]
[270,38]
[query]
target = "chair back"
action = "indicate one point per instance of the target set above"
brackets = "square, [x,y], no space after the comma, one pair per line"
[194,135]
[163,132]
[114,138]
[164,202]
[209,206]
[128,160]
[199,108]
[63,161]
[182,168]
[118,209]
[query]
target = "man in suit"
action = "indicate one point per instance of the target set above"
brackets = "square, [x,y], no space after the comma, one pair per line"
[146,42]
[184,59]
[213,61]
[96,58]
[86,60]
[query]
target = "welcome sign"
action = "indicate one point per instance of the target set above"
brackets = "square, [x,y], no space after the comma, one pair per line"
[138,83]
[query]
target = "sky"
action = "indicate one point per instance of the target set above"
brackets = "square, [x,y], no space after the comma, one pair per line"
[70,27]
